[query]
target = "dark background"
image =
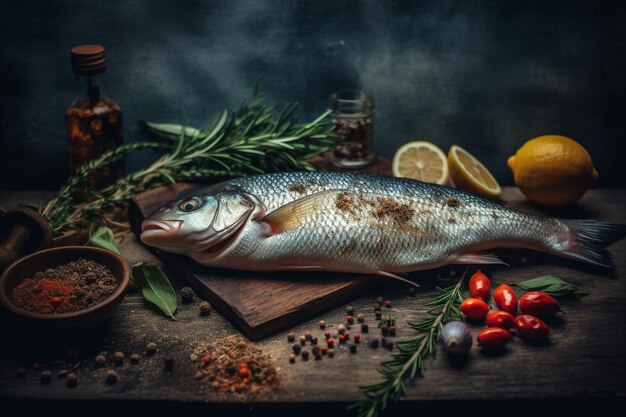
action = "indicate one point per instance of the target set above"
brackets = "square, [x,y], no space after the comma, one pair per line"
[484,74]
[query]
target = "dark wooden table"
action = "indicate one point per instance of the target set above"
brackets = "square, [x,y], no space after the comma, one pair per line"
[583,365]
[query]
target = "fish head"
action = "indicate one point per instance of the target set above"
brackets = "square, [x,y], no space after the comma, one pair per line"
[196,223]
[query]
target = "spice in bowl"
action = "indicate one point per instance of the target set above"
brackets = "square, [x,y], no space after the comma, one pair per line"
[68,288]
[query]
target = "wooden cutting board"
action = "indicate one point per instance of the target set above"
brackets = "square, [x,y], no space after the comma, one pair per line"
[257,303]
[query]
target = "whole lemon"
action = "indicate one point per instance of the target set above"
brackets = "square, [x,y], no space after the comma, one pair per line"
[553,170]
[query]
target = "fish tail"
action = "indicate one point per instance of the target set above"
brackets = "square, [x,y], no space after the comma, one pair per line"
[589,239]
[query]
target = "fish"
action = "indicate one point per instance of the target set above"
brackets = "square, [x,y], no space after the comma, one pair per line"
[359,223]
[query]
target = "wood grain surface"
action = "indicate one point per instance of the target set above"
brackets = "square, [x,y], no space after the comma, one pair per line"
[583,363]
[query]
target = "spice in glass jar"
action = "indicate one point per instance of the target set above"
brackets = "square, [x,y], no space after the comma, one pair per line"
[351,113]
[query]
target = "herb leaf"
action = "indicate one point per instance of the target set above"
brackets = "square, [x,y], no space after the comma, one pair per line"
[553,286]
[103,237]
[155,288]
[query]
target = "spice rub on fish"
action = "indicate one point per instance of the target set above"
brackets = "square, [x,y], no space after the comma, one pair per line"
[358,223]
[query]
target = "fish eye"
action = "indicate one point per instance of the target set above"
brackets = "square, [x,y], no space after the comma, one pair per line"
[188,205]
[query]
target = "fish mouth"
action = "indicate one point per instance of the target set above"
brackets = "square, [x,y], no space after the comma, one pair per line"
[159,228]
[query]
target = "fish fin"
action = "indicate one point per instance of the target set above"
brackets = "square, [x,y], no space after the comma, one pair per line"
[399,278]
[298,267]
[590,238]
[479,258]
[293,214]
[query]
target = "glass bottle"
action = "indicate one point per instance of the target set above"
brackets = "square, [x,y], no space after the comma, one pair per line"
[94,122]
[352,112]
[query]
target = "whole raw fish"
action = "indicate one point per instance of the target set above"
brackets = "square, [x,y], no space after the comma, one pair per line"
[358,223]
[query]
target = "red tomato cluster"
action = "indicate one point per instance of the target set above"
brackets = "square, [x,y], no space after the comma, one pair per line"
[529,325]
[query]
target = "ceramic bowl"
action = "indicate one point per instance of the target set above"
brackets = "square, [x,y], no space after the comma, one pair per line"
[52,258]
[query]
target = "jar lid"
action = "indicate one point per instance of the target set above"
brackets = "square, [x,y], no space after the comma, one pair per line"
[88,59]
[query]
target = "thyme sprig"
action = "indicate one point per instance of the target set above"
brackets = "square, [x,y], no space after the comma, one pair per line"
[246,141]
[412,352]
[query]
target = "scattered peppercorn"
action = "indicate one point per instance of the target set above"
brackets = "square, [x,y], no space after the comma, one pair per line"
[99,361]
[324,350]
[379,300]
[383,342]
[72,380]
[291,337]
[384,329]
[186,294]
[342,339]
[379,315]
[314,340]
[318,356]
[374,343]
[296,349]
[365,328]
[134,358]
[392,330]
[350,319]
[305,355]
[20,373]
[46,377]
[376,308]
[118,358]
[330,342]
[352,348]
[411,291]
[307,335]
[315,350]
[360,317]
[357,338]
[302,340]
[230,369]
[111,376]
[168,364]
[388,304]
[151,348]
[327,335]
[292,358]
[331,353]
[341,329]
[62,373]
[322,324]
[350,310]
[205,308]
[389,345]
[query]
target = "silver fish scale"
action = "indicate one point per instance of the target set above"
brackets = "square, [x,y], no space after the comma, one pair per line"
[392,224]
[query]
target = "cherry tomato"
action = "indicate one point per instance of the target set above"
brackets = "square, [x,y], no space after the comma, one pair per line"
[493,338]
[501,319]
[531,327]
[539,304]
[475,308]
[505,298]
[479,286]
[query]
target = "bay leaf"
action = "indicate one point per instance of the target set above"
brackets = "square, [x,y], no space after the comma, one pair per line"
[103,237]
[552,285]
[155,288]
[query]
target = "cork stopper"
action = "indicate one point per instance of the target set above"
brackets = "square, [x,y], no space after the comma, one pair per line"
[88,59]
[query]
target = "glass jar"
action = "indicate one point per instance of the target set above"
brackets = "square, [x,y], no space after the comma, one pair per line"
[94,122]
[351,115]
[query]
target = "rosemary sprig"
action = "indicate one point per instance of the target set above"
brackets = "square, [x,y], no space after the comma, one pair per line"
[246,141]
[410,360]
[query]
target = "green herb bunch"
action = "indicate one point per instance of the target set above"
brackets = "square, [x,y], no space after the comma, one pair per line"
[409,362]
[246,141]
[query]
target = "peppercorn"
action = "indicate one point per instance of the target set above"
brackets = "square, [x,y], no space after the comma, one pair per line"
[318,356]
[379,300]
[322,324]
[350,310]
[412,291]
[352,348]
[341,329]
[72,380]
[99,361]
[230,369]
[383,342]
[330,342]
[134,358]
[365,328]
[186,294]
[118,358]
[374,343]
[111,376]
[324,350]
[62,373]
[302,340]
[350,319]
[296,349]
[313,340]
[307,335]
[379,315]
[385,329]
[331,353]
[46,377]
[315,350]
[327,335]
[305,355]
[20,373]
[388,304]
[376,308]
[151,348]
[292,358]
[291,337]
[360,317]
[357,338]
[392,330]
[389,345]
[205,308]
[168,364]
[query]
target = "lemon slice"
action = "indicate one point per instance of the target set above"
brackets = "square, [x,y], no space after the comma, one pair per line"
[468,173]
[422,161]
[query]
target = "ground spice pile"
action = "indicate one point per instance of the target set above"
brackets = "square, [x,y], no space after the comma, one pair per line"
[67,288]
[234,365]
